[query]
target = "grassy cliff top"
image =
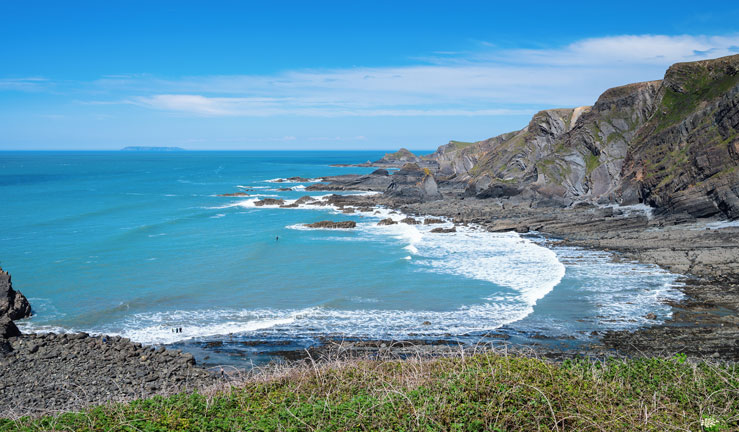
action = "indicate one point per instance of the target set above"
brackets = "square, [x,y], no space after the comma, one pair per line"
[465,393]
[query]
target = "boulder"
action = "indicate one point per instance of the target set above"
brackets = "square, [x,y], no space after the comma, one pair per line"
[410,221]
[269,201]
[333,224]
[8,328]
[12,303]
[387,221]
[305,199]
[432,221]
[444,230]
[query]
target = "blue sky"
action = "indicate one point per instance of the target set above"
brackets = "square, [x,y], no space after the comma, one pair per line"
[325,75]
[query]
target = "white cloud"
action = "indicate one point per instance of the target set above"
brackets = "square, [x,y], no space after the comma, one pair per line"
[30,84]
[491,82]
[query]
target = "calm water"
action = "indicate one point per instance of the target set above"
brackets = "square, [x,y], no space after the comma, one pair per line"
[138,243]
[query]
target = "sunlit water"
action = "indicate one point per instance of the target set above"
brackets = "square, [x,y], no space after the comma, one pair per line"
[137,244]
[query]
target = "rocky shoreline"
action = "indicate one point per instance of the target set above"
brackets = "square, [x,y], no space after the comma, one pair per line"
[50,373]
[705,324]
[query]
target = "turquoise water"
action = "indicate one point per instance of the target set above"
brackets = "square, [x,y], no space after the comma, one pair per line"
[139,243]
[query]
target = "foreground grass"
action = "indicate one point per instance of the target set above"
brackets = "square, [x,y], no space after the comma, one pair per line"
[464,393]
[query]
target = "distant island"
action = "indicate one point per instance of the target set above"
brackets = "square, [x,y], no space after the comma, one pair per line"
[152,149]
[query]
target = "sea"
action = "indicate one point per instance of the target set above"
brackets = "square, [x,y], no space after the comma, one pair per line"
[140,244]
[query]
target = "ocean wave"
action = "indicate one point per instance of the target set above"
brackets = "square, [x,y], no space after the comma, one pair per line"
[156,328]
[284,180]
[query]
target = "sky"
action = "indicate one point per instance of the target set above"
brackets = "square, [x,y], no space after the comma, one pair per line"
[325,75]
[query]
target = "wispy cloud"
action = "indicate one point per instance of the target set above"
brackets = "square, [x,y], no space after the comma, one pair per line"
[30,84]
[487,82]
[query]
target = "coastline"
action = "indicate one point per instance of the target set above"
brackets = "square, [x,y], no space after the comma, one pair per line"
[703,324]
[699,326]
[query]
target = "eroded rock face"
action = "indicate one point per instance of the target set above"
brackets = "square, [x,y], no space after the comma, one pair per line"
[672,144]
[333,224]
[684,159]
[412,183]
[13,304]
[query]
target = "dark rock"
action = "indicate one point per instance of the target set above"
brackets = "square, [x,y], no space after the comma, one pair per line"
[410,221]
[444,230]
[12,303]
[304,200]
[269,201]
[432,221]
[8,329]
[235,194]
[332,224]
[387,221]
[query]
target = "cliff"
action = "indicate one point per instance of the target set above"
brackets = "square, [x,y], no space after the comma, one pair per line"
[671,144]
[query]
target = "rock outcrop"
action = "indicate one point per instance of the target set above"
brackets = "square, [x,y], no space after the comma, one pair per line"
[672,144]
[400,157]
[13,304]
[411,183]
[269,202]
[332,225]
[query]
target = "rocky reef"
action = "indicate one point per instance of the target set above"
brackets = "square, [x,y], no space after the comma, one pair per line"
[332,224]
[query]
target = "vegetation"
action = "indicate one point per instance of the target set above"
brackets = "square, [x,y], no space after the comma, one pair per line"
[465,393]
[459,145]
[700,85]
[591,162]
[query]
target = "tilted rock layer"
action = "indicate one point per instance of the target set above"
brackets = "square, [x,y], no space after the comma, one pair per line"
[671,144]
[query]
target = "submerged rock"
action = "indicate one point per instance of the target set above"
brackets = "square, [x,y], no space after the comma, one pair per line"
[333,224]
[235,194]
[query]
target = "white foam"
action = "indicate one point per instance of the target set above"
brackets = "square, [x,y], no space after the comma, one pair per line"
[716,225]
[284,180]
[156,328]
[218,216]
[632,209]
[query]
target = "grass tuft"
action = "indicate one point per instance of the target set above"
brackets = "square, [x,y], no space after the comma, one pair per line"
[477,392]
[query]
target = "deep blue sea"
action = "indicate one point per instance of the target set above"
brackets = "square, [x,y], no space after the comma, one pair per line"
[138,243]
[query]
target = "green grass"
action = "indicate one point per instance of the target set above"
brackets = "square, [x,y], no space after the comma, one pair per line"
[465,393]
[459,145]
[700,87]
[591,163]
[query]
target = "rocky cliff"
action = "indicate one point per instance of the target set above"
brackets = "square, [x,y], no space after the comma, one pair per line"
[671,144]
